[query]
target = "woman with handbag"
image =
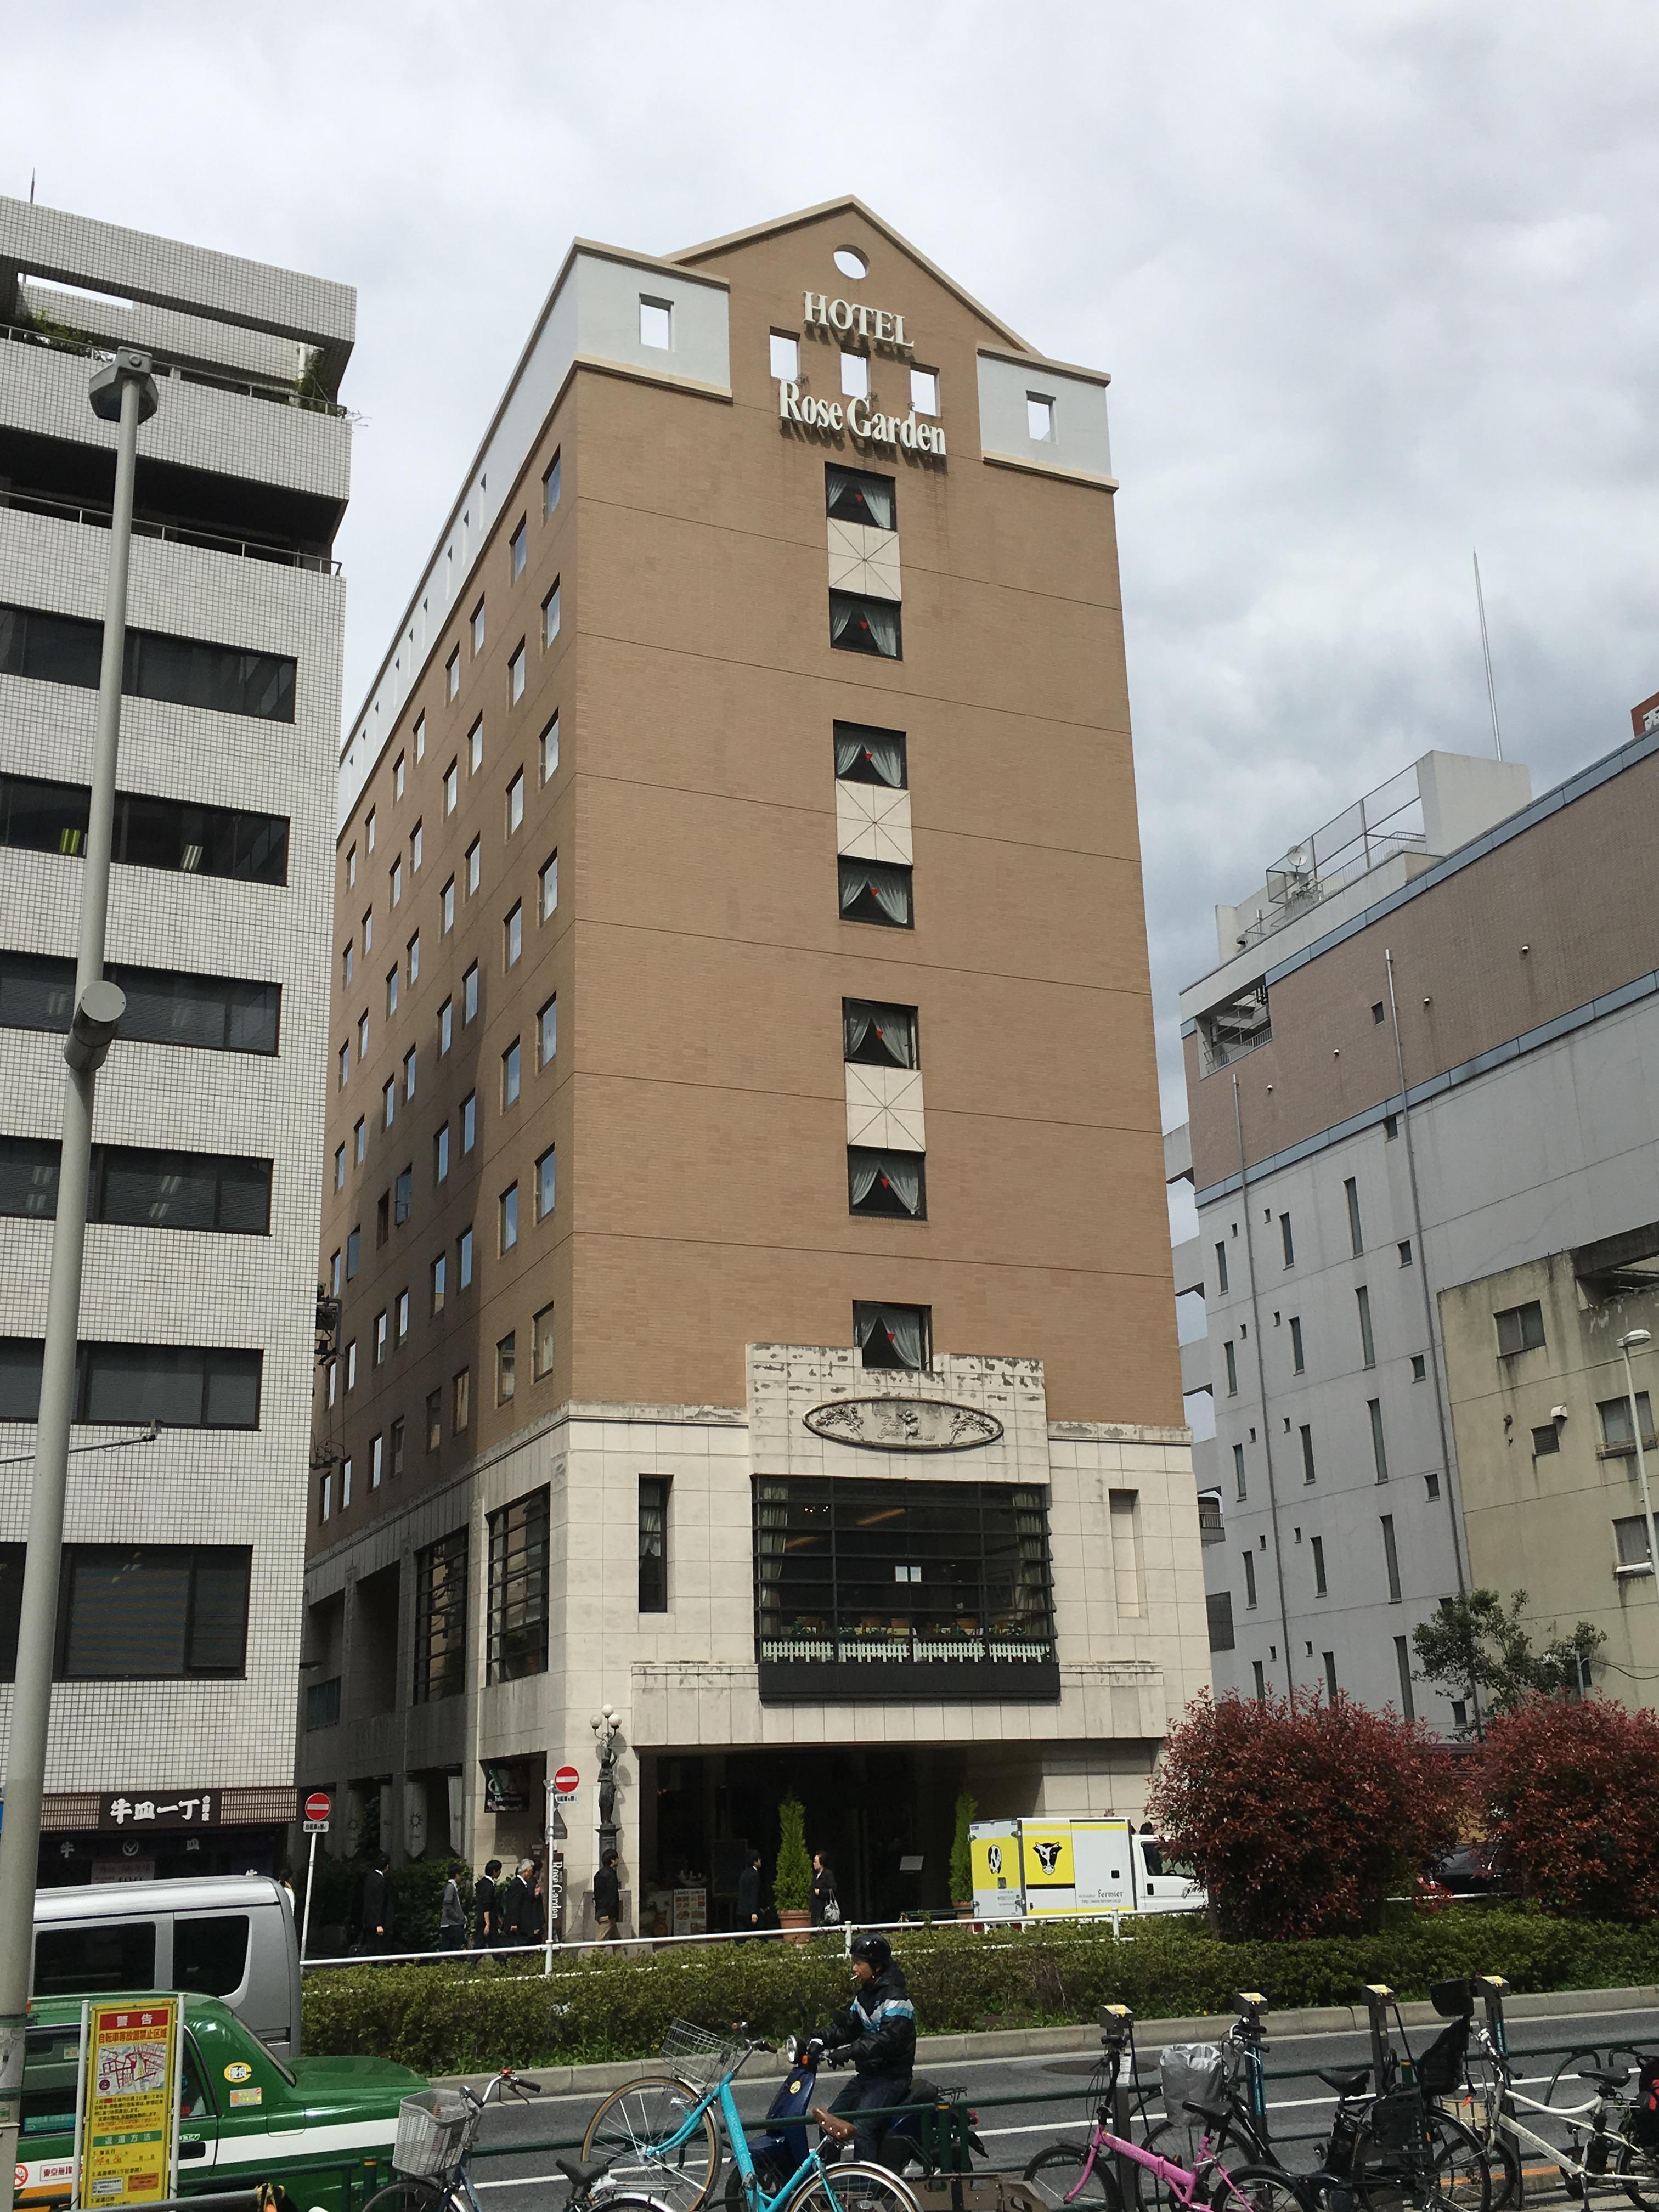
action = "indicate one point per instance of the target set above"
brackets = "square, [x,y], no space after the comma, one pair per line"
[826,1906]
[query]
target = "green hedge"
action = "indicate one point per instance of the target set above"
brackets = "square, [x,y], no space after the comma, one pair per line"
[597,2005]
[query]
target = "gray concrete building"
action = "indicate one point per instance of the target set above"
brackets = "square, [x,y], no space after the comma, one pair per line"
[172,1744]
[1427,1056]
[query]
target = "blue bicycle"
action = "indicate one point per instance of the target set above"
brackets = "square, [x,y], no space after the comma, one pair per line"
[661,2136]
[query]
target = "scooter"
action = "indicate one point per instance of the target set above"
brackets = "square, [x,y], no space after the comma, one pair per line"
[934,2129]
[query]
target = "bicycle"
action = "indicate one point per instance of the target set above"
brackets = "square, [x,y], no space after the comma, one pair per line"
[437,2130]
[661,2136]
[1063,2171]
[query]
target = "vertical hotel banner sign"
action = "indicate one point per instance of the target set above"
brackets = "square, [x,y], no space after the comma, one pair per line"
[126,2128]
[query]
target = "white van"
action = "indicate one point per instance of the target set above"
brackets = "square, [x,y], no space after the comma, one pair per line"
[221,1936]
[1060,1869]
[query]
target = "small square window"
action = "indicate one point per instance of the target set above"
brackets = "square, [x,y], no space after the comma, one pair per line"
[398,778]
[1630,1536]
[877,891]
[445,1026]
[1545,1440]
[548,898]
[550,748]
[478,629]
[420,737]
[1391,1127]
[506,1360]
[1039,419]
[515,803]
[510,1074]
[869,756]
[518,547]
[544,1184]
[923,391]
[1420,1367]
[475,746]
[434,1420]
[1520,1328]
[541,1344]
[547,1032]
[1379,1012]
[512,938]
[656,322]
[440,1154]
[446,907]
[461,1401]
[474,866]
[470,995]
[550,486]
[464,1265]
[855,375]
[469,1123]
[893,1336]
[515,678]
[439,1281]
[861,624]
[417,849]
[551,616]
[784,355]
[453,674]
[508,1205]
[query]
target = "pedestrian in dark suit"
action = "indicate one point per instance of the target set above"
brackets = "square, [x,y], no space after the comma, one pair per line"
[749,1896]
[374,1912]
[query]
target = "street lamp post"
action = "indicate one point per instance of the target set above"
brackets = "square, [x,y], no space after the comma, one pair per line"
[607,1729]
[1636,1340]
[123,391]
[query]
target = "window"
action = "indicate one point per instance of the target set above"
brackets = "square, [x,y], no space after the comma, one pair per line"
[893,1184]
[363,1036]
[389,1098]
[1520,1328]
[510,1074]
[382,1335]
[477,626]
[1367,1343]
[139,1189]
[453,674]
[351,860]
[180,671]
[541,1344]
[345,965]
[1249,1581]
[876,1034]
[473,867]
[1219,1604]
[923,391]
[1239,1471]
[515,803]
[413,948]
[395,1448]
[783,356]
[868,756]
[550,613]
[440,1155]
[440,1618]
[1261,1682]
[206,1014]
[1545,1441]
[1356,1238]
[1379,1012]
[1617,1434]
[1420,1367]
[416,849]
[517,549]
[439,1281]
[547,1032]
[517,1642]
[1221,1270]
[894,1336]
[445,1026]
[1039,418]
[334,1274]
[461,1403]
[878,891]
[545,1184]
[37,816]
[1229,1354]
[1379,1450]
[506,1361]
[475,747]
[1286,1241]
[858,624]
[1299,1361]
[376,1461]
[339,1167]
[855,375]
[180,1386]
[434,1420]
[446,907]
[392,991]
[1405,1249]
[403,1197]
[1330,1658]
[1630,1537]
[550,486]
[656,322]
[1309,1472]
[345,1064]
[1318,1549]
[854,496]
[351,1364]
[420,737]
[515,677]
[1391,1127]
[152,1611]
[397,881]
[368,831]
[452,786]
[550,748]
[470,994]
[1391,1558]
[469,1123]
[653,1543]
[509,1207]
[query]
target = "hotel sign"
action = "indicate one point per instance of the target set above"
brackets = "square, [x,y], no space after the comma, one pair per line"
[844,315]
[865,423]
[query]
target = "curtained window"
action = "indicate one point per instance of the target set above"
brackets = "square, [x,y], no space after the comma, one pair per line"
[878,891]
[894,1336]
[862,625]
[853,495]
[867,755]
[879,1035]
[653,1543]
[892,1183]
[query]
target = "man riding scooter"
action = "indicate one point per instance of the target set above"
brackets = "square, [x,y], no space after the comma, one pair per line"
[878,2033]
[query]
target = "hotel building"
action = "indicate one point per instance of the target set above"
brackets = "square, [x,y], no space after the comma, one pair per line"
[743,1160]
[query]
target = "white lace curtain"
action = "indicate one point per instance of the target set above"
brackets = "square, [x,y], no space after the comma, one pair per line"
[894,1031]
[872,620]
[880,751]
[857,498]
[902,1323]
[889,887]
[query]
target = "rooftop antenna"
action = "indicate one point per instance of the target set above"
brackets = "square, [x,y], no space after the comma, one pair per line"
[31,188]
[1485,651]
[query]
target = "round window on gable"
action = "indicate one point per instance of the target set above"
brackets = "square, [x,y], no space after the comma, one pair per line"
[851,262]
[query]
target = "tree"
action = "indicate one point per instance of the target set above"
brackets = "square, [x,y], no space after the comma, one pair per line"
[791,1877]
[1473,1641]
[1567,1791]
[961,1855]
[1301,1816]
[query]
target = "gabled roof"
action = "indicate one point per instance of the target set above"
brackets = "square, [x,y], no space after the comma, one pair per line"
[855,206]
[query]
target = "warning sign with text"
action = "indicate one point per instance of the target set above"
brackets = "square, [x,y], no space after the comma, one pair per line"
[127,2129]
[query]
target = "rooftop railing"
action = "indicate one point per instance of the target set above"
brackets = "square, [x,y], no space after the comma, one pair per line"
[175,533]
[283,395]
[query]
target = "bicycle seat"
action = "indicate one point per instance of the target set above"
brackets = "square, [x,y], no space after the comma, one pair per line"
[1609,2084]
[1213,2115]
[582,2173]
[1347,2085]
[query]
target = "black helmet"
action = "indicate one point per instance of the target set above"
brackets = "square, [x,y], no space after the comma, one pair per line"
[876,1949]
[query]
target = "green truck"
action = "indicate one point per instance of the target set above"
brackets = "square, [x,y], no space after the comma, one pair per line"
[320,2129]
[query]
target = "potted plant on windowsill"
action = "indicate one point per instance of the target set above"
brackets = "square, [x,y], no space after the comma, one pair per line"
[962,1859]
[792,1879]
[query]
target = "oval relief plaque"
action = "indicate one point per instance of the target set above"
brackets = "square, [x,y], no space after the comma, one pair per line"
[920,1425]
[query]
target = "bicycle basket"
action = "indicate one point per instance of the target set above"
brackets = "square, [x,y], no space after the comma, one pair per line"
[1441,2069]
[1642,2126]
[435,2128]
[1399,2121]
[696,2056]
[1191,2073]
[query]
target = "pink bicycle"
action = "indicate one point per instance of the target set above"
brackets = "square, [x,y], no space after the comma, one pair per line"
[1087,2173]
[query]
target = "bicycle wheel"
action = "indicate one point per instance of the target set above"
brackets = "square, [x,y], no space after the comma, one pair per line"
[850,2186]
[1259,2189]
[410,2194]
[1451,2175]
[633,2126]
[1637,2167]
[1057,2170]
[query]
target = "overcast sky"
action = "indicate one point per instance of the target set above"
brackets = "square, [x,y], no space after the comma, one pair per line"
[1374,282]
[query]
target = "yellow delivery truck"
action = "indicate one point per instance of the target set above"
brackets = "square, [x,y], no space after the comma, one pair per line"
[1055,1869]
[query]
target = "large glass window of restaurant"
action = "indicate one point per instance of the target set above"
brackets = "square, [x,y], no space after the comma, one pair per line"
[518,1589]
[849,1570]
[440,1618]
[37,817]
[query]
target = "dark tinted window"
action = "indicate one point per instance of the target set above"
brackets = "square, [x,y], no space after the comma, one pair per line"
[878,891]
[210,1956]
[148,832]
[135,1611]
[64,649]
[440,1618]
[854,496]
[182,1386]
[11,1603]
[109,1955]
[142,1189]
[214,1013]
[867,755]
[858,624]
[518,1589]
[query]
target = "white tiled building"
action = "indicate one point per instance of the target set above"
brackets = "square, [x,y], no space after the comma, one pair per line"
[179,1614]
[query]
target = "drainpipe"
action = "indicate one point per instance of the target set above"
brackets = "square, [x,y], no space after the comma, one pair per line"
[1262,1388]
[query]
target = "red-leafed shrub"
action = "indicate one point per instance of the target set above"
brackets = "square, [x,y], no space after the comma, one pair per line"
[1301,1817]
[1571,1793]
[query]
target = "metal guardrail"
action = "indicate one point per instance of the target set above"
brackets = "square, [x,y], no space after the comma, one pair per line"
[175,533]
[280,395]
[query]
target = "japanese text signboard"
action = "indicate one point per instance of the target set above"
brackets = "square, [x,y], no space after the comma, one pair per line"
[146,1809]
[127,2124]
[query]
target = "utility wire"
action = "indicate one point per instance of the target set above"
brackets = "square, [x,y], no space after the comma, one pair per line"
[121,1443]
[1486,654]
